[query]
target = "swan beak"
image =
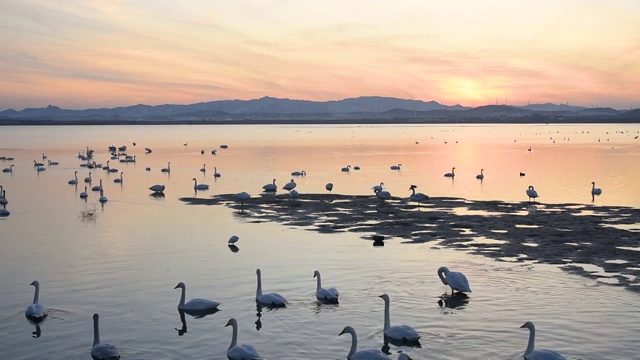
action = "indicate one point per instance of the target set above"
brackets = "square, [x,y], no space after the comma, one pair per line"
[177,286]
[341,332]
[228,323]
[523,326]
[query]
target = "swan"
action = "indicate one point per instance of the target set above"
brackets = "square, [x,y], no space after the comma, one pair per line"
[378,187]
[329,295]
[396,167]
[532,193]
[3,198]
[194,304]
[240,352]
[88,179]
[9,169]
[299,173]
[74,181]
[451,174]
[102,199]
[215,172]
[118,180]
[543,354]
[356,167]
[271,299]
[37,164]
[403,333]
[197,186]
[157,188]
[290,185]
[97,187]
[346,168]
[329,187]
[204,168]
[270,187]
[1,189]
[233,239]
[368,354]
[36,312]
[167,169]
[84,195]
[383,195]
[53,163]
[102,351]
[456,280]
[481,175]
[242,197]
[594,189]
[294,195]
[4,212]
[417,197]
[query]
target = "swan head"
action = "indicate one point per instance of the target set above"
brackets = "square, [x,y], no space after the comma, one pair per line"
[316,273]
[385,297]
[95,317]
[180,285]
[443,269]
[530,187]
[258,272]
[35,283]
[231,322]
[347,329]
[529,325]
[413,187]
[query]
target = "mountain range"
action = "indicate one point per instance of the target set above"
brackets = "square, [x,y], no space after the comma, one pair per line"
[373,109]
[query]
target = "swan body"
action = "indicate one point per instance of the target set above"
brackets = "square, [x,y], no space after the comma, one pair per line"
[97,187]
[118,180]
[456,280]
[233,239]
[403,333]
[167,169]
[4,212]
[346,168]
[271,299]
[204,166]
[452,173]
[383,195]
[481,175]
[84,195]
[271,187]
[53,163]
[241,197]
[532,193]
[102,199]
[294,195]
[329,295]
[396,167]
[157,188]
[594,189]
[354,354]
[329,187]
[3,198]
[74,181]
[299,173]
[36,312]
[197,186]
[215,172]
[88,179]
[417,197]
[290,185]
[194,304]
[240,352]
[9,169]
[543,354]
[102,351]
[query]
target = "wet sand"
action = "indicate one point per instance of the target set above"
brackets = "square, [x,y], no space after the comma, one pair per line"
[568,235]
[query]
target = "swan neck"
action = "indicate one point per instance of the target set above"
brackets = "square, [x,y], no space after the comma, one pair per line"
[354,345]
[96,332]
[441,272]
[319,283]
[531,344]
[259,289]
[387,315]
[413,191]
[182,297]
[234,337]
[37,292]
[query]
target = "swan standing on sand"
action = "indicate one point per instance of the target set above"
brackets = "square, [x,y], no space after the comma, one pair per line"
[290,185]
[403,333]
[329,187]
[417,197]
[36,312]
[241,197]
[271,299]
[167,169]
[354,354]
[194,304]
[396,167]
[531,354]
[9,169]
[532,193]
[240,352]
[481,175]
[271,187]
[594,189]
[74,181]
[102,351]
[456,280]
[452,173]
[197,186]
[329,295]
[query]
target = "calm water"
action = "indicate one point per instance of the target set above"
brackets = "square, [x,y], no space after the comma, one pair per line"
[125,263]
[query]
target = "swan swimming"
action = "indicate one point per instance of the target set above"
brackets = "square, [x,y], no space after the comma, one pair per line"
[396,167]
[157,188]
[97,187]
[118,180]
[271,187]
[354,354]
[594,189]
[532,193]
[240,352]
[204,166]
[290,185]
[456,280]
[403,333]
[102,351]
[481,175]
[299,173]
[543,354]
[88,179]
[9,169]
[271,299]
[417,197]
[451,174]
[74,181]
[329,295]
[215,172]
[84,195]
[346,168]
[36,311]
[167,169]
[194,304]
[197,186]
[329,187]
[3,198]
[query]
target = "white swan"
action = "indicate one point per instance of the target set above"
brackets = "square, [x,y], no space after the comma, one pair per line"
[396,167]
[197,186]
[594,189]
[157,188]
[240,352]
[215,172]
[290,185]
[346,168]
[118,180]
[329,295]
[88,179]
[9,169]
[481,175]
[233,239]
[74,181]
[403,333]
[271,299]
[354,354]
[84,195]
[36,312]
[532,193]
[167,169]
[270,187]
[417,197]
[456,280]
[452,173]
[97,187]
[102,351]
[329,187]
[194,304]
[531,354]
[299,173]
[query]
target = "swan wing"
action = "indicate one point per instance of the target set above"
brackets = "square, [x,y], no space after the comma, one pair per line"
[330,294]
[243,352]
[272,299]
[104,351]
[369,354]
[36,312]
[199,304]
[402,332]
[544,354]
[458,281]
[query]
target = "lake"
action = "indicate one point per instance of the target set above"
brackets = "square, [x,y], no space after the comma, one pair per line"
[125,261]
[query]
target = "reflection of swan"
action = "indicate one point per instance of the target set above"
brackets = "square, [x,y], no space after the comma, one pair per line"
[346,168]
[183,320]
[396,167]
[456,280]
[270,187]
[194,304]
[417,197]
[354,354]
[36,312]
[290,185]
[481,175]
[299,173]
[329,295]
[102,351]
[452,173]
[457,300]
[233,248]
[240,352]
[594,189]
[74,181]
[271,299]
[197,186]
[157,188]
[167,169]
[9,169]
[532,193]
[543,354]
[329,187]
[403,333]
[37,333]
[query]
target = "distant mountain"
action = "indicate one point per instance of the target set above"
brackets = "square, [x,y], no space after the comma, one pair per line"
[551,107]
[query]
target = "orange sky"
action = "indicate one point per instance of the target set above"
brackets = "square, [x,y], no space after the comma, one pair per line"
[105,53]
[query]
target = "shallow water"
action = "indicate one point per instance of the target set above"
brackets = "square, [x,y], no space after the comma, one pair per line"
[125,263]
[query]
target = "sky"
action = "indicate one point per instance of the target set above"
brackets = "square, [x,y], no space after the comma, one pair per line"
[79,54]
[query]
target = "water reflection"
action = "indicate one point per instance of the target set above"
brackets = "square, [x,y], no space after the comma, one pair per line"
[37,333]
[196,314]
[455,301]
[259,315]
[234,248]
[400,342]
